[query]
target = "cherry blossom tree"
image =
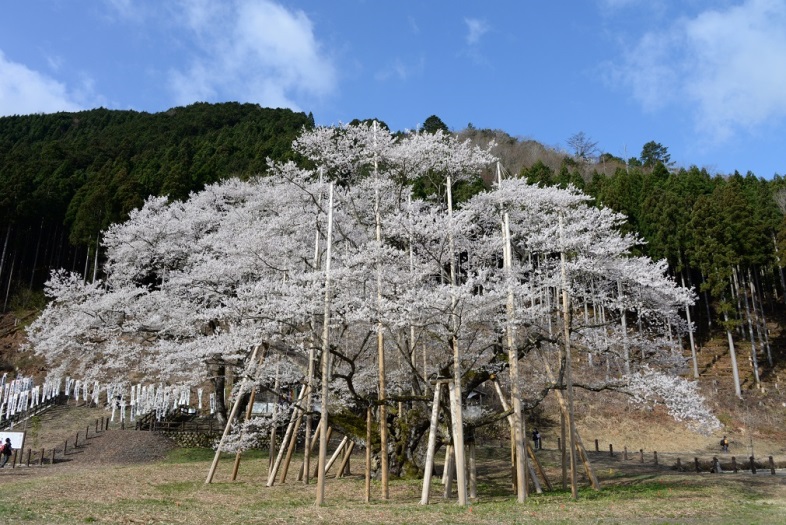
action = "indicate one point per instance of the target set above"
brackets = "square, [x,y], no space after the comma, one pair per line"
[419,292]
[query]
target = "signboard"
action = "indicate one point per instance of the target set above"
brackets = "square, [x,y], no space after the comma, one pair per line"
[17,439]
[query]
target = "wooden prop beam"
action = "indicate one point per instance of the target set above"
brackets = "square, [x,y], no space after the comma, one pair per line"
[232,415]
[432,442]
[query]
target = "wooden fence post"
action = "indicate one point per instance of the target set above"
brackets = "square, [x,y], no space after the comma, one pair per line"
[641,455]
[53,456]
[696,461]
[734,464]
[559,444]
[107,424]
[753,465]
[76,440]
[655,455]
[13,459]
[65,447]
[679,465]
[596,446]
[772,466]
[625,453]
[611,450]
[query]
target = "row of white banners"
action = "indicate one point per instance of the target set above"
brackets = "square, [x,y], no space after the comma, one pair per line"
[21,395]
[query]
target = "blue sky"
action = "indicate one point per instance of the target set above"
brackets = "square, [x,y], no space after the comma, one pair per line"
[706,79]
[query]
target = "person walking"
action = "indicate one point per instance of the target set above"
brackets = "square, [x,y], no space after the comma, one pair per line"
[724,443]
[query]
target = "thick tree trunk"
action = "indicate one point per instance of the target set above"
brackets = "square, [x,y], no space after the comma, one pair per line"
[218,376]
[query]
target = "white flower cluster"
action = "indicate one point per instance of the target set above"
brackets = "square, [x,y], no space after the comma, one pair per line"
[680,397]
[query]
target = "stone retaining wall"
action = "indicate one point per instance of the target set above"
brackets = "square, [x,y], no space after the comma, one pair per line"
[192,439]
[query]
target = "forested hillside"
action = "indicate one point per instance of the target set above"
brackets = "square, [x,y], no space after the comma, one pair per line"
[64,177]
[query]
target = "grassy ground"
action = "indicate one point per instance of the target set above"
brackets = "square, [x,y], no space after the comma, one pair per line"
[173,491]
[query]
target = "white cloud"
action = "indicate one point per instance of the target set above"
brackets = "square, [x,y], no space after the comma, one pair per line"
[728,66]
[252,51]
[476,28]
[24,91]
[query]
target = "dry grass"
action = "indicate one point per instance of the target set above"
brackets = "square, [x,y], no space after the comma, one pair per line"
[173,491]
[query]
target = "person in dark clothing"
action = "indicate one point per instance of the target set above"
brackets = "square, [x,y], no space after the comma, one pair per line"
[536,439]
[724,443]
[6,451]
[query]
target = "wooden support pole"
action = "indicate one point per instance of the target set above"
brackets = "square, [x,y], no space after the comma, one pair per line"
[596,446]
[734,467]
[625,453]
[753,465]
[329,434]
[336,454]
[772,466]
[539,467]
[304,474]
[518,447]
[291,448]
[582,453]
[696,462]
[52,461]
[249,408]
[473,473]
[29,454]
[655,456]
[641,455]
[369,418]
[449,474]
[431,446]
[611,450]
[679,465]
[576,439]
[41,461]
[233,413]
[534,478]
[343,468]
[294,421]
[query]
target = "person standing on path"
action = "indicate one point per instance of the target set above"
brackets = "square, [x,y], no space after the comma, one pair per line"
[6,452]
